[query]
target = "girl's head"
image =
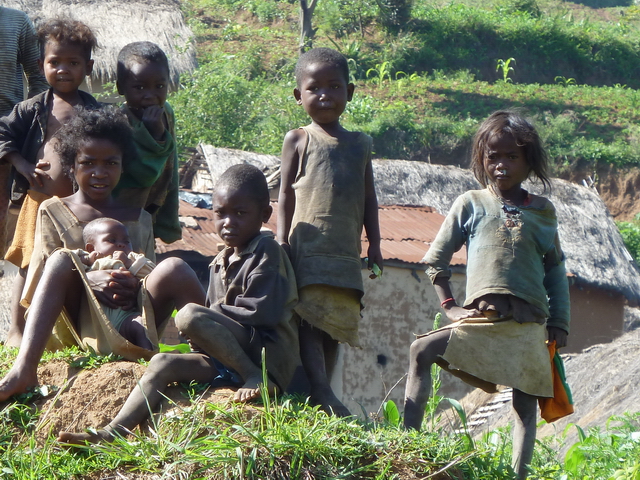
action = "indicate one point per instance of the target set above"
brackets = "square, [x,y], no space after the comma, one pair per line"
[99,130]
[506,124]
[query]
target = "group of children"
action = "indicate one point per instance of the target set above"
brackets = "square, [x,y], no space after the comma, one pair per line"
[296,296]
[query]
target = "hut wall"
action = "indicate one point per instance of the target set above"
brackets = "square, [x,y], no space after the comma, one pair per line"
[397,306]
[597,316]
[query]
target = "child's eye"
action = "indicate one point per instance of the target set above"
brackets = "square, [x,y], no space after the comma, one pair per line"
[160,86]
[75,63]
[240,213]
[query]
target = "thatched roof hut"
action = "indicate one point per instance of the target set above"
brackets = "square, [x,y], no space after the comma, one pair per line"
[595,252]
[118,22]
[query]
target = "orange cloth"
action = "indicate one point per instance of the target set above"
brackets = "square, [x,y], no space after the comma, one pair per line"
[561,404]
[19,253]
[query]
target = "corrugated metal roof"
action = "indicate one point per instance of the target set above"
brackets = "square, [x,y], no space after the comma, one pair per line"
[406,233]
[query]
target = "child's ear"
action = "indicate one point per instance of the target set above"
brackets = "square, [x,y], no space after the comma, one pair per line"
[350,88]
[41,65]
[89,68]
[298,96]
[266,213]
[119,88]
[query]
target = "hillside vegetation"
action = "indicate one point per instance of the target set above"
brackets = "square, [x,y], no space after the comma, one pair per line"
[423,84]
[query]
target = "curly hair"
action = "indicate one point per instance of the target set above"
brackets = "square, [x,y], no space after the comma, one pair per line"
[67,31]
[139,52]
[321,55]
[106,123]
[509,122]
[247,178]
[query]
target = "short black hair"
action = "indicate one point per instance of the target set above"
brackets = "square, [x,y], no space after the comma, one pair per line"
[67,31]
[139,52]
[106,123]
[321,55]
[89,231]
[247,178]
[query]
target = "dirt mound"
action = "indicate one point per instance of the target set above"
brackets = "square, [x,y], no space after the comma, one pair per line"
[92,398]
[604,382]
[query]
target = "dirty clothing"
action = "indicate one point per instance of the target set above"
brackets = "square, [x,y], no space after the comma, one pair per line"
[327,223]
[510,251]
[152,181]
[58,227]
[140,268]
[514,262]
[258,290]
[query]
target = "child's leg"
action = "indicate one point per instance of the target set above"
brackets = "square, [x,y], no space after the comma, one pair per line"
[59,286]
[133,330]
[227,341]
[173,284]
[524,432]
[423,354]
[164,368]
[317,350]
[14,336]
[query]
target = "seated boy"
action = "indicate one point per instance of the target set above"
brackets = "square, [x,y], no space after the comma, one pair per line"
[108,247]
[249,306]
[26,140]
[151,182]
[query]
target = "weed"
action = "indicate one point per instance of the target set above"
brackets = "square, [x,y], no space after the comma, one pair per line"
[505,67]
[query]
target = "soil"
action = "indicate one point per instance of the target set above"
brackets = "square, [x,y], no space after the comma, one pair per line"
[93,397]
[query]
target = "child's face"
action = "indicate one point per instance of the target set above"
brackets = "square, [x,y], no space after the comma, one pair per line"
[238,217]
[323,92]
[145,86]
[110,237]
[505,163]
[65,66]
[97,168]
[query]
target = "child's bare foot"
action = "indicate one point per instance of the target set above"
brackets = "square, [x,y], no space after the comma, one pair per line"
[16,382]
[251,389]
[84,438]
[14,337]
[329,403]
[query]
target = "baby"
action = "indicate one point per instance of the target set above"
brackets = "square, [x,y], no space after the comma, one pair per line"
[108,247]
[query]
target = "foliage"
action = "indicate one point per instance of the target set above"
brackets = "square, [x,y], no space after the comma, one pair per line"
[631,235]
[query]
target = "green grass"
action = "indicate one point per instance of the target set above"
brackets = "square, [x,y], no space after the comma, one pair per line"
[285,438]
[421,93]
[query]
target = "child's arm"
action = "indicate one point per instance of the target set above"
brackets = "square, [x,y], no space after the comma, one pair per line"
[371,223]
[557,286]
[33,173]
[448,303]
[287,197]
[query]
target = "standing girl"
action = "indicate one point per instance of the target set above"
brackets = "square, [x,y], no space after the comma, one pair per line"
[94,146]
[516,283]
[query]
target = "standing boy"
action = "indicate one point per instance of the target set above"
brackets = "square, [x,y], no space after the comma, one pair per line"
[26,139]
[249,307]
[326,197]
[151,182]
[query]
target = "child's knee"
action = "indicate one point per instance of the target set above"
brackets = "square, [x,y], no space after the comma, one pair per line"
[189,316]
[160,362]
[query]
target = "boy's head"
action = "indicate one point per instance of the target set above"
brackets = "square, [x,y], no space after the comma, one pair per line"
[105,236]
[241,205]
[323,88]
[143,75]
[65,53]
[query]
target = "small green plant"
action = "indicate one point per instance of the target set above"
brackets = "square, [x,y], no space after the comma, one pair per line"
[564,81]
[506,68]
[93,360]
[380,72]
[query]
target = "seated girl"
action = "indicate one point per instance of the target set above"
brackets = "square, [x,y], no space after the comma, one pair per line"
[94,146]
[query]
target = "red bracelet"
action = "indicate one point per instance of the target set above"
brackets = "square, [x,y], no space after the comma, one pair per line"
[450,299]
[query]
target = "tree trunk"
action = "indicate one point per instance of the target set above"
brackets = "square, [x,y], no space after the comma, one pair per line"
[306,29]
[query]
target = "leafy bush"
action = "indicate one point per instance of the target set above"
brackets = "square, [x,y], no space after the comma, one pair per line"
[631,235]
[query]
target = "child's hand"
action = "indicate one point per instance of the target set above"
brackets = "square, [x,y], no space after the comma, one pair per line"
[456,313]
[153,119]
[120,255]
[33,173]
[559,335]
[374,259]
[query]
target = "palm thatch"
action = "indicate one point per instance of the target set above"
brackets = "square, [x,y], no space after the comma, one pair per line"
[116,23]
[595,252]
